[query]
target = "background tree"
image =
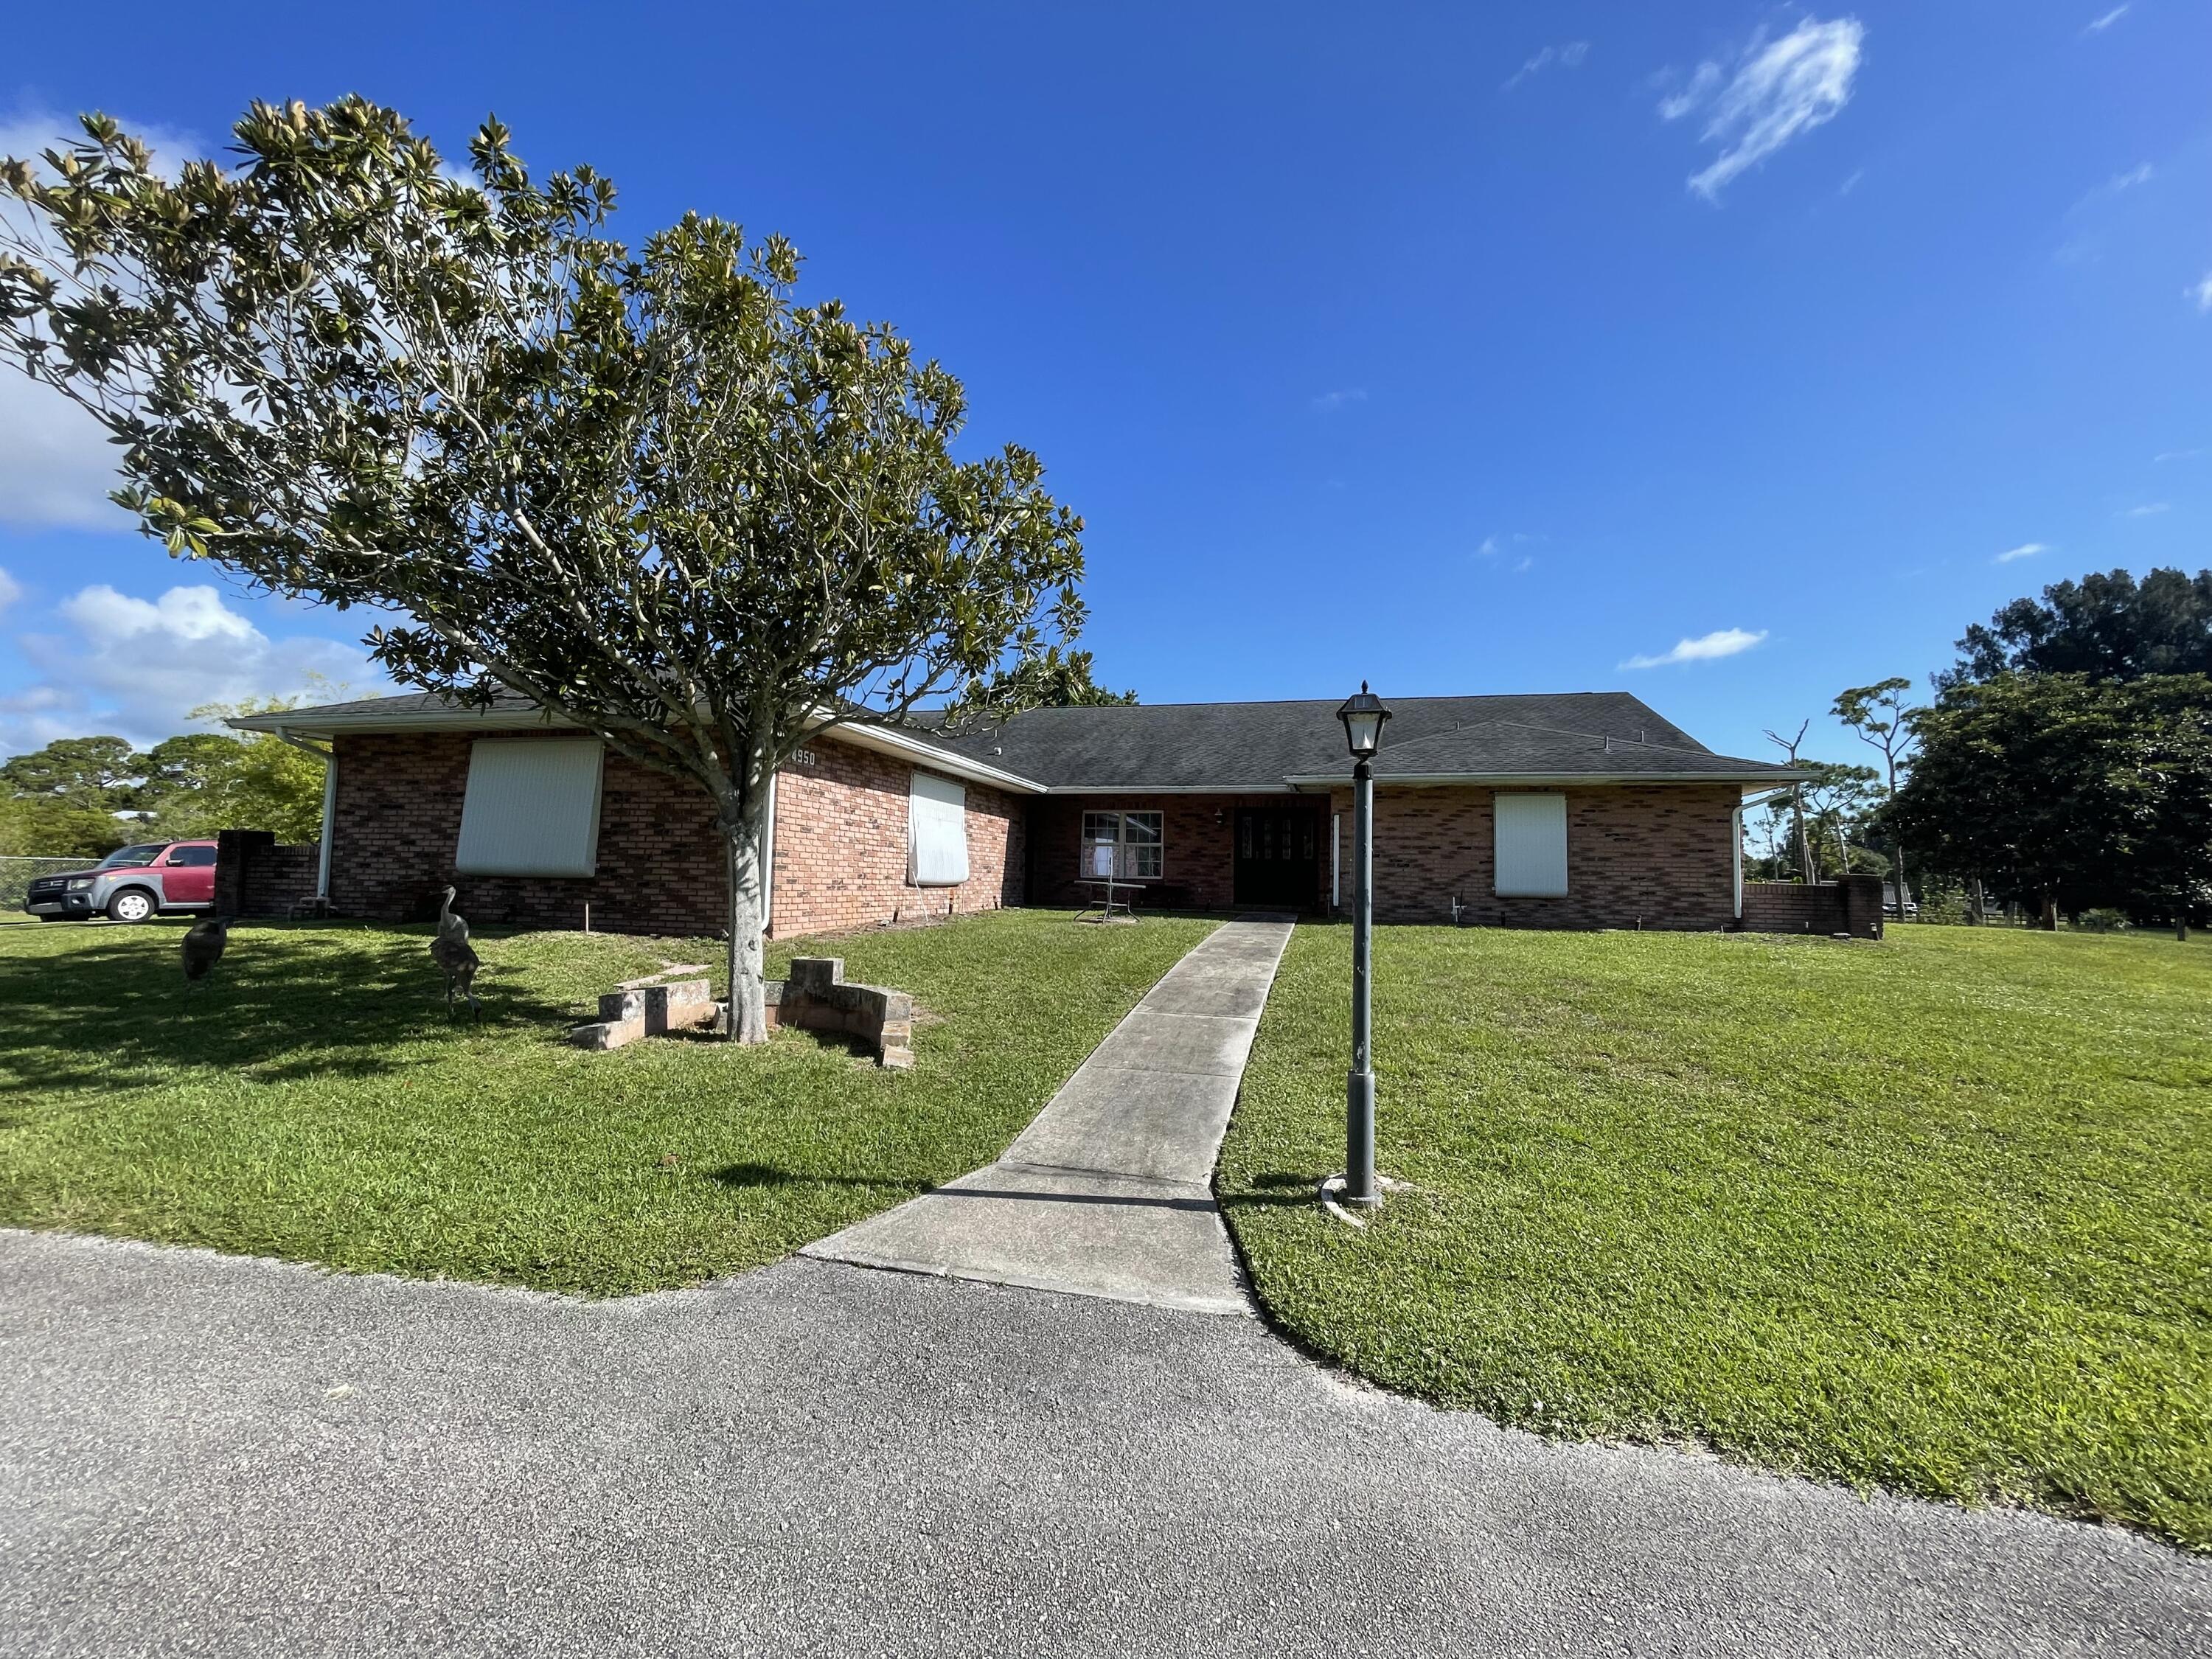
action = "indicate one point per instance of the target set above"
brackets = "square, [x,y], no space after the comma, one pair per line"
[61,801]
[2106,627]
[1836,801]
[2065,791]
[1052,679]
[45,826]
[102,772]
[1883,718]
[202,782]
[649,490]
[1802,845]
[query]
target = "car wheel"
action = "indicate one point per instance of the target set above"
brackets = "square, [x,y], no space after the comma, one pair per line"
[132,904]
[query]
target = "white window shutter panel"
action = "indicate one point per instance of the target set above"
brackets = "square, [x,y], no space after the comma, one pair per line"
[1532,846]
[936,832]
[533,808]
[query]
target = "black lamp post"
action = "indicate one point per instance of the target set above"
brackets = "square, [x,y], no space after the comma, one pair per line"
[1362,717]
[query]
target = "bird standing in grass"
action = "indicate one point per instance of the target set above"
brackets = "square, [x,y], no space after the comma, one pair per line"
[202,946]
[452,951]
[450,925]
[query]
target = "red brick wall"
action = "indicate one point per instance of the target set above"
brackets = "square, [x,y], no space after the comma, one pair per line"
[840,846]
[399,821]
[1654,855]
[1851,906]
[1198,851]
[254,876]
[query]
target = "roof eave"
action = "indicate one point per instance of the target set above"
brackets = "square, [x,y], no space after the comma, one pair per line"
[1282,787]
[368,723]
[373,723]
[1432,780]
[885,741]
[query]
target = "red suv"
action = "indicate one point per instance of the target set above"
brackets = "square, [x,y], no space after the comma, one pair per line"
[130,884]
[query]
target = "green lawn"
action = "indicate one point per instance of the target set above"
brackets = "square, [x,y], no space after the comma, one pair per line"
[1929,1214]
[313,1102]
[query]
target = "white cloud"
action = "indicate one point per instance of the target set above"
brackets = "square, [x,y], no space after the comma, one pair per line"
[2025,550]
[2098,25]
[2140,174]
[56,462]
[2149,509]
[1569,56]
[137,667]
[10,589]
[1775,92]
[1721,642]
[1329,402]
[2202,293]
[29,133]
[1676,105]
[2177,455]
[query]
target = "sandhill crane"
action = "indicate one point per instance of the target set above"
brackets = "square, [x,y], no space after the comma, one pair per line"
[458,957]
[449,925]
[202,946]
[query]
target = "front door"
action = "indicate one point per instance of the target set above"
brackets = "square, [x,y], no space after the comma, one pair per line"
[1278,852]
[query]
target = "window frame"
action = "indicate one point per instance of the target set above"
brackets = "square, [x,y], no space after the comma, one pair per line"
[1524,803]
[931,795]
[486,841]
[1127,850]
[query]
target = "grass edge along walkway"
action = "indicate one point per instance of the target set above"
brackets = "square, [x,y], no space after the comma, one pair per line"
[313,1102]
[1928,1216]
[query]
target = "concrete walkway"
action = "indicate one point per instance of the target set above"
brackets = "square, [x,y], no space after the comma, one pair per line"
[1110,1191]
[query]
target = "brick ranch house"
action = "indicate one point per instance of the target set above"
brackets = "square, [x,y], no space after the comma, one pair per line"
[1581,809]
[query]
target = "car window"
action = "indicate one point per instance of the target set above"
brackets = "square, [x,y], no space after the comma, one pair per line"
[133,858]
[191,858]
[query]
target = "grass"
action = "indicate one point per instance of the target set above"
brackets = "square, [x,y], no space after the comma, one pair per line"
[1929,1215]
[312,1102]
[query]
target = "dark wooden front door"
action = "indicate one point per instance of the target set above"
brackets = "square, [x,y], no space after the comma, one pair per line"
[1279,851]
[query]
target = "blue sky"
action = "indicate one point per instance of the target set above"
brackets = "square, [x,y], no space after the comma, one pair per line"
[1459,349]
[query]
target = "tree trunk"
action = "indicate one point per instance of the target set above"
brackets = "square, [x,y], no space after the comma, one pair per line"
[1805,870]
[1897,861]
[2049,918]
[748,1016]
[1981,905]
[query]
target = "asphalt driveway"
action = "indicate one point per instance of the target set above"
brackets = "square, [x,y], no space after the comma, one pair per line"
[208,1455]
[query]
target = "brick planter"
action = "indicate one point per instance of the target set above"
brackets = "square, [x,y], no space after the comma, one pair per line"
[816,998]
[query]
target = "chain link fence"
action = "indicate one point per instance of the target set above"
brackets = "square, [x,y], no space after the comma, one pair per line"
[17,875]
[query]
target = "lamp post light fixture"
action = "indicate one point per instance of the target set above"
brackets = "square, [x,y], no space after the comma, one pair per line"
[1364,717]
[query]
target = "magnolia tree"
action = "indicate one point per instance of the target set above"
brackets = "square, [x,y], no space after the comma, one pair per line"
[649,490]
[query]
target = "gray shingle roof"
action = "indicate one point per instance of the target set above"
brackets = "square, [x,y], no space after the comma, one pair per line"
[1241,745]
[1260,745]
[413,705]
[1510,749]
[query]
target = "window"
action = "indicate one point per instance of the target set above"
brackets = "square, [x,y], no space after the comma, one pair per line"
[1123,845]
[1532,846]
[936,832]
[191,858]
[533,808]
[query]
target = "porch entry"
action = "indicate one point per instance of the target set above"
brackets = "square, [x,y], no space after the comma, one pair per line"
[1278,856]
